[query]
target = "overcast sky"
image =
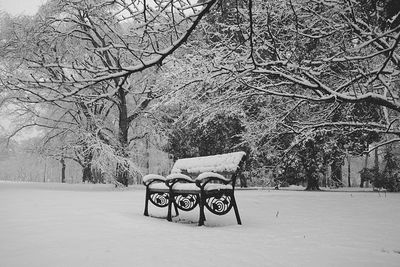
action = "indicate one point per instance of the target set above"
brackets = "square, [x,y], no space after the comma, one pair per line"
[18,7]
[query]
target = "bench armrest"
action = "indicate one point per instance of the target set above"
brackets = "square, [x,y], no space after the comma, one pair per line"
[149,178]
[207,177]
[174,178]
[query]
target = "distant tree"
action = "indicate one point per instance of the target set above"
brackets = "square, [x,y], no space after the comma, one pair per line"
[217,135]
[193,127]
[389,177]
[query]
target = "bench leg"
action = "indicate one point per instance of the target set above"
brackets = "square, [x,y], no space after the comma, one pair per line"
[236,209]
[202,217]
[170,200]
[146,203]
[176,209]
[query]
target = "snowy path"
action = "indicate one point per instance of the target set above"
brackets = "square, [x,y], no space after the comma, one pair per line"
[85,225]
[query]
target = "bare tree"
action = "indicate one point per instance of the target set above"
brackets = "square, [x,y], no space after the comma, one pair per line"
[330,53]
[294,68]
[99,61]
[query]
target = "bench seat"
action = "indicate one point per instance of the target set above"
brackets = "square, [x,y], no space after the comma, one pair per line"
[187,187]
[160,187]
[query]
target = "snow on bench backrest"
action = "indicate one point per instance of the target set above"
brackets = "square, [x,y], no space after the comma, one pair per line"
[223,163]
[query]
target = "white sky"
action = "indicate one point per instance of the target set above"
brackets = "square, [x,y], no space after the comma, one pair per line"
[18,7]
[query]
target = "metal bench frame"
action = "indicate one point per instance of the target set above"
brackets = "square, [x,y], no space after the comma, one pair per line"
[185,192]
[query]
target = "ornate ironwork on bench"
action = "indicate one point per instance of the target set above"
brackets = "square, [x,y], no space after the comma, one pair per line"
[207,182]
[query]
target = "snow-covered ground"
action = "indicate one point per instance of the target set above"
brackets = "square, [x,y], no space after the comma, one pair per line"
[96,225]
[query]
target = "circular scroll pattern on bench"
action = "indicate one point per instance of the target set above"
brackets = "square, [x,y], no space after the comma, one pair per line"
[219,205]
[159,199]
[186,202]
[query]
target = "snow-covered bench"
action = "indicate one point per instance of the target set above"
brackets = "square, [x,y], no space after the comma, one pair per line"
[205,181]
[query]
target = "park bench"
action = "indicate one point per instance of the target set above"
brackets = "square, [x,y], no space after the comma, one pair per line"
[208,182]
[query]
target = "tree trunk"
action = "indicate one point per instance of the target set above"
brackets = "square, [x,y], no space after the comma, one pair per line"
[348,170]
[147,154]
[243,181]
[336,173]
[123,174]
[62,161]
[45,170]
[123,131]
[312,182]
[98,177]
[365,167]
[87,176]
[310,165]
[122,171]
[376,160]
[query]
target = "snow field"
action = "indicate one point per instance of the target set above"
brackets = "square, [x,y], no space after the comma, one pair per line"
[96,225]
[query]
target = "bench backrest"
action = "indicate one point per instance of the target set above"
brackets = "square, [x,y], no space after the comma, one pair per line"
[228,164]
